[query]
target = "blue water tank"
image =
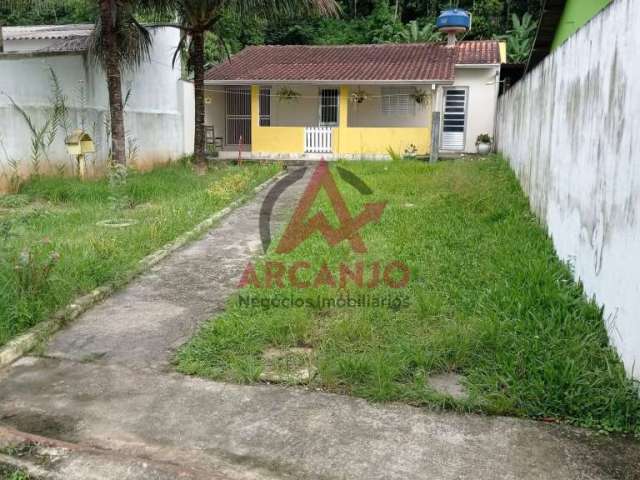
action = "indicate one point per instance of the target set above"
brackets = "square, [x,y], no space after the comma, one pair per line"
[454,20]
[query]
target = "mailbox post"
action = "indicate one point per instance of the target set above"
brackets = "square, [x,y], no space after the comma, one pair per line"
[79,143]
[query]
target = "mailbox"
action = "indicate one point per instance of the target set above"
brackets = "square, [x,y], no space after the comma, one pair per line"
[79,143]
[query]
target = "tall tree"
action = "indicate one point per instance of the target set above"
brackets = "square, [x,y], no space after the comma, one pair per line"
[197,17]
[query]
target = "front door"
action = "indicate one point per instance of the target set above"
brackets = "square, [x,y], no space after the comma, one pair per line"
[238,113]
[455,119]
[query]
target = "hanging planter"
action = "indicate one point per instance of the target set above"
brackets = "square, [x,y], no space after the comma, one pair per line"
[359,96]
[420,97]
[288,94]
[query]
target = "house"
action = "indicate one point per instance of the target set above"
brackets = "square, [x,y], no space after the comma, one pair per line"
[560,19]
[158,110]
[352,101]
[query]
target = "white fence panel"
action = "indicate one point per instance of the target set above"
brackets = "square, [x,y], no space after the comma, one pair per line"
[318,139]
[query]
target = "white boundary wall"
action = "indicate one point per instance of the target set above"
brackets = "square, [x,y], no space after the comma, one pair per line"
[158,115]
[571,131]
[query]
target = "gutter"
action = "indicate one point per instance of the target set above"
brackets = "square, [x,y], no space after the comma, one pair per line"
[36,54]
[328,82]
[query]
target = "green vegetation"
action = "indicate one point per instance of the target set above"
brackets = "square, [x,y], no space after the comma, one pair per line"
[51,248]
[487,299]
[361,21]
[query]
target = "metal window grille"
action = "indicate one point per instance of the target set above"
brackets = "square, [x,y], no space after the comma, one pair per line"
[329,106]
[265,107]
[238,108]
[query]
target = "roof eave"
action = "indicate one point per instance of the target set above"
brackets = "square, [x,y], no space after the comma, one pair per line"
[38,53]
[327,82]
[477,65]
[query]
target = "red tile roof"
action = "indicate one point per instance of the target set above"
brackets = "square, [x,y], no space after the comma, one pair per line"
[384,62]
[477,52]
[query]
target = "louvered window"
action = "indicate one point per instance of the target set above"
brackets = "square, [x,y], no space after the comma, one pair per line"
[397,101]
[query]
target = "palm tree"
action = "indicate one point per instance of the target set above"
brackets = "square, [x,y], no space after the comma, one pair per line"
[197,17]
[119,42]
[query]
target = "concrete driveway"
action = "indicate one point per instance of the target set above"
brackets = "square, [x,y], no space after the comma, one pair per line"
[103,401]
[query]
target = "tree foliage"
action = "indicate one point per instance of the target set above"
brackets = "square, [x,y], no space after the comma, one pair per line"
[414,33]
[361,21]
[520,38]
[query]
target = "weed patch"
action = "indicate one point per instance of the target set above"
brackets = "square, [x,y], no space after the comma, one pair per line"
[52,250]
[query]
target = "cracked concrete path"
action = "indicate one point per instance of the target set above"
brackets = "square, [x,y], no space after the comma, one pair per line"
[105,386]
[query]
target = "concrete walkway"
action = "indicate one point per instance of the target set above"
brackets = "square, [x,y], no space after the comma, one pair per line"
[106,389]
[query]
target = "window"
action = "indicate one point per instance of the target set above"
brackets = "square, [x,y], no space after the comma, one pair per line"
[396,101]
[329,106]
[265,107]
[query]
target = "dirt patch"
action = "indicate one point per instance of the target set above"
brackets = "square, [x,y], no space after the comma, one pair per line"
[291,365]
[58,427]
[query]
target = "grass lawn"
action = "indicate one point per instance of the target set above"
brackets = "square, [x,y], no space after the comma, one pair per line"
[488,299]
[51,249]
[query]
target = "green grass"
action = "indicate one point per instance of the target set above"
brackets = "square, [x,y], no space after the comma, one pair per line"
[488,299]
[51,249]
[8,472]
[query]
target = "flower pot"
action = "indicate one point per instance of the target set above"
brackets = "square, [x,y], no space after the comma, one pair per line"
[483,148]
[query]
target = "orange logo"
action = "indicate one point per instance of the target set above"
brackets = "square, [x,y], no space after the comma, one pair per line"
[300,228]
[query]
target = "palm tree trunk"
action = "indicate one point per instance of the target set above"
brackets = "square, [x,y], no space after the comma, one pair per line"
[198,87]
[114,80]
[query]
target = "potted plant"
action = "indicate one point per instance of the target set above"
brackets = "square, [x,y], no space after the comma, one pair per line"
[420,97]
[288,94]
[359,96]
[483,143]
[411,151]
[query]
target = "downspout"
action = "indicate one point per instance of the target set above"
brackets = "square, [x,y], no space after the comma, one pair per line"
[1,39]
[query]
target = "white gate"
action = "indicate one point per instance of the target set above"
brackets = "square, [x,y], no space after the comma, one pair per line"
[318,139]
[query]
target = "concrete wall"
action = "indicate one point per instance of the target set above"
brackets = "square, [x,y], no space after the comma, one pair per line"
[154,121]
[187,108]
[481,107]
[214,111]
[571,130]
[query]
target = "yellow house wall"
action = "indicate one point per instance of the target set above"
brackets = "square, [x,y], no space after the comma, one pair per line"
[348,141]
[272,139]
[370,141]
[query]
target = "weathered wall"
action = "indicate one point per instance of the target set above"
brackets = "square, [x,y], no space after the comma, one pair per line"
[571,130]
[154,119]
